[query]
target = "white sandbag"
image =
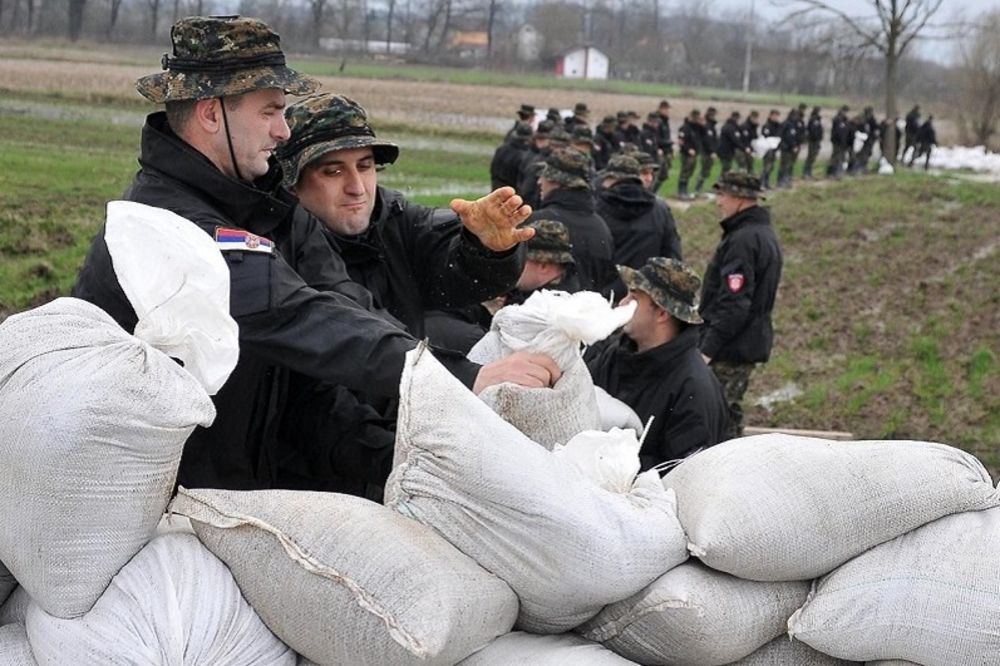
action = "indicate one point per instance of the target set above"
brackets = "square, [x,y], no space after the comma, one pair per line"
[548,416]
[176,280]
[694,615]
[884,167]
[784,652]
[931,596]
[346,581]
[780,507]
[891,662]
[565,546]
[609,459]
[92,424]
[14,647]
[15,609]
[859,141]
[762,145]
[519,647]
[616,414]
[174,604]
[7,583]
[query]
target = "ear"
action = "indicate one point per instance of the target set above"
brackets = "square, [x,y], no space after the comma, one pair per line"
[208,115]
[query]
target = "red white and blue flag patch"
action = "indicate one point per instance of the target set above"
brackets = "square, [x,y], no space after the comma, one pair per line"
[735,282]
[244,241]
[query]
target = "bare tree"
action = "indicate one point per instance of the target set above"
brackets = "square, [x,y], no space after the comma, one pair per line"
[388,26]
[154,17]
[75,24]
[317,9]
[980,77]
[116,6]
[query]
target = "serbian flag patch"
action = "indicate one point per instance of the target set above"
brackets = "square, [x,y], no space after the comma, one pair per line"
[735,282]
[244,241]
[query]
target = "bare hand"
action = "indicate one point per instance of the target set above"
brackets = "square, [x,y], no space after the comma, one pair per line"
[707,360]
[494,219]
[524,368]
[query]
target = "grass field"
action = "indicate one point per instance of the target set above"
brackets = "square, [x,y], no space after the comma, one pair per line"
[888,317]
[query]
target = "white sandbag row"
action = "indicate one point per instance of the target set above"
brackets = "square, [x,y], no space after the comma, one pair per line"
[564,545]
[14,647]
[7,583]
[931,596]
[695,615]
[346,581]
[781,507]
[784,652]
[173,604]
[15,609]
[92,424]
[551,650]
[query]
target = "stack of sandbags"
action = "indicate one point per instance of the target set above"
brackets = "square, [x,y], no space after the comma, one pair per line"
[549,650]
[785,652]
[7,583]
[173,604]
[564,545]
[931,596]
[346,581]
[557,324]
[15,650]
[92,424]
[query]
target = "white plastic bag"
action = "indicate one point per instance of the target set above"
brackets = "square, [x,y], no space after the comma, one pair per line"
[178,284]
[609,459]
[765,144]
[614,413]
[859,141]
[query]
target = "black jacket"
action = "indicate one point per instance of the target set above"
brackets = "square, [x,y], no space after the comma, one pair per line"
[748,132]
[527,181]
[814,129]
[840,131]
[593,246]
[689,138]
[290,305]
[672,384]
[730,140]
[648,138]
[791,135]
[412,259]
[665,142]
[926,136]
[604,147]
[771,128]
[505,169]
[739,289]
[709,138]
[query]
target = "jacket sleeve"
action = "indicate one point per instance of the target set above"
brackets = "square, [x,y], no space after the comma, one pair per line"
[731,307]
[685,429]
[670,243]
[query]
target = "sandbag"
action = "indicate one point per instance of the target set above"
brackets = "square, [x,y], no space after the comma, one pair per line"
[616,414]
[7,583]
[779,507]
[564,545]
[92,424]
[174,604]
[559,650]
[15,609]
[931,596]
[784,652]
[14,647]
[694,615]
[346,581]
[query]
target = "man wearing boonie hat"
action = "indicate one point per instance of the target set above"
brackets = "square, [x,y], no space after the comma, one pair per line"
[208,159]
[689,142]
[739,290]
[525,115]
[566,196]
[505,167]
[580,117]
[654,366]
[604,142]
[665,144]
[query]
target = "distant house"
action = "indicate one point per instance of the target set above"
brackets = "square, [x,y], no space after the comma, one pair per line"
[470,43]
[582,62]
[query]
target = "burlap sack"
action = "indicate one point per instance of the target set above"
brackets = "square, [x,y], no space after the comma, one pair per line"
[14,647]
[560,650]
[7,583]
[784,652]
[565,546]
[346,581]
[694,615]
[931,596]
[15,609]
[92,424]
[779,507]
[174,604]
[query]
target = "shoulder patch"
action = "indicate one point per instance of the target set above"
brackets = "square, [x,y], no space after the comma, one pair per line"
[242,240]
[735,282]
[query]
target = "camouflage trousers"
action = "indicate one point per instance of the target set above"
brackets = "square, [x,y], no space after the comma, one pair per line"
[707,162]
[786,167]
[727,164]
[767,168]
[735,378]
[807,169]
[745,161]
[688,164]
[836,166]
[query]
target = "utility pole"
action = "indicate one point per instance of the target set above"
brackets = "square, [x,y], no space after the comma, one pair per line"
[748,60]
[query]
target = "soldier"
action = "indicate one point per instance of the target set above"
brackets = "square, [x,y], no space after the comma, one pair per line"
[580,117]
[649,136]
[604,142]
[554,116]
[814,135]
[689,146]
[654,366]
[665,144]
[748,133]
[224,89]
[546,139]
[709,147]
[627,130]
[869,125]
[648,170]
[739,290]
[791,140]
[526,114]
[730,142]
[912,126]
[926,140]
[771,128]
[840,143]
[505,168]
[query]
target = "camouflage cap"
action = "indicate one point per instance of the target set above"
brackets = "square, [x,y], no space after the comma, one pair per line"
[739,184]
[523,130]
[581,109]
[670,283]
[550,244]
[526,111]
[323,123]
[215,56]
[570,168]
[647,161]
[621,167]
[559,135]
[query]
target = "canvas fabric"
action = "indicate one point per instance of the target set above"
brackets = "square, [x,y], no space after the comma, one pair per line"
[784,652]
[781,507]
[15,650]
[519,647]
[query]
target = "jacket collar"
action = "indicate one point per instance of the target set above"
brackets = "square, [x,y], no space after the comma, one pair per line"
[573,199]
[753,215]
[653,361]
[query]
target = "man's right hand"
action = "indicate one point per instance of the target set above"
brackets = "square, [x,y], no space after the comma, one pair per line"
[524,368]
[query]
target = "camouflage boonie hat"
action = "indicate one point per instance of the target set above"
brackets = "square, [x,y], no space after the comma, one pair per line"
[740,185]
[550,244]
[570,168]
[215,56]
[523,130]
[670,283]
[323,123]
[647,161]
[559,135]
[621,167]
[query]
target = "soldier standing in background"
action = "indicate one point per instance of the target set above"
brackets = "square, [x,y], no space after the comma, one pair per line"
[604,142]
[665,144]
[580,117]
[840,142]
[814,135]
[709,147]
[926,140]
[505,169]
[912,126]
[730,142]
[649,135]
[870,127]
[689,145]
[526,114]
[748,132]
[627,131]
[772,127]
[534,157]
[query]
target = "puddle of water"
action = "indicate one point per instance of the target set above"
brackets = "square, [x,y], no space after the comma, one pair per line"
[786,393]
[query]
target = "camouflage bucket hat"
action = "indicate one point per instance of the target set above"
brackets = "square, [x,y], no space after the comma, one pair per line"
[323,123]
[739,184]
[570,168]
[550,244]
[621,167]
[222,55]
[670,283]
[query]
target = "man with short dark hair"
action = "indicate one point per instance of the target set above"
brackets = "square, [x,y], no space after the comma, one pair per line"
[689,144]
[580,117]
[814,136]
[730,142]
[709,147]
[526,114]
[505,168]
[665,144]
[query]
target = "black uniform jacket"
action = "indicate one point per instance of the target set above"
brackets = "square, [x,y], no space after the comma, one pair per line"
[593,246]
[671,383]
[505,168]
[739,290]
[689,137]
[290,305]
[730,140]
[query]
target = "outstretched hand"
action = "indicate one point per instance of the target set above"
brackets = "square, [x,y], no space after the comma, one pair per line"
[495,218]
[524,368]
